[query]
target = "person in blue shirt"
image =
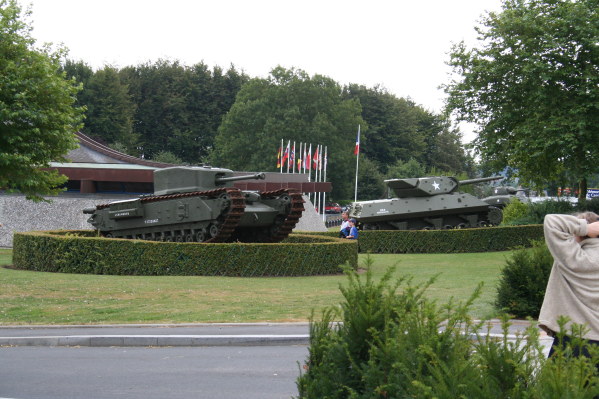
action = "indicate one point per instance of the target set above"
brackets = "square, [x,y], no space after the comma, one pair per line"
[353,230]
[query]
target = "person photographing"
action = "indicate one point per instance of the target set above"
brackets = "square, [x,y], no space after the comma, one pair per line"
[573,285]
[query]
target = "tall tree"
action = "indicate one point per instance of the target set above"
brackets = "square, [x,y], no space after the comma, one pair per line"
[533,87]
[110,110]
[290,105]
[38,118]
[400,130]
[179,108]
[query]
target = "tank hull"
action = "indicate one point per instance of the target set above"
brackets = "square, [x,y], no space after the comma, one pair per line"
[222,215]
[452,210]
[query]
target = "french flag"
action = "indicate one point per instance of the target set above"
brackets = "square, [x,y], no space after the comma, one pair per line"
[357,149]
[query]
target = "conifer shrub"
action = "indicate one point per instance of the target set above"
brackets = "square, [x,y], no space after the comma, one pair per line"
[80,251]
[523,281]
[387,340]
[501,238]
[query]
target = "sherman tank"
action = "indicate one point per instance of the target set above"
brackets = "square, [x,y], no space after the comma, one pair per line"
[427,203]
[200,204]
[502,196]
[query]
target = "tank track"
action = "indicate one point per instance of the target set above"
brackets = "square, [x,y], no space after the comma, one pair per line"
[295,211]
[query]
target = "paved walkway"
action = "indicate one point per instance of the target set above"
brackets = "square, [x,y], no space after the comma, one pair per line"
[205,334]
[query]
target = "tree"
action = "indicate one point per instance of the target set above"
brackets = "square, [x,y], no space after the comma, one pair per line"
[406,170]
[393,126]
[179,108]
[38,118]
[110,110]
[371,184]
[533,87]
[290,105]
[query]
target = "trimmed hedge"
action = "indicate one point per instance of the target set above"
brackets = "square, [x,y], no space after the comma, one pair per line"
[83,252]
[447,241]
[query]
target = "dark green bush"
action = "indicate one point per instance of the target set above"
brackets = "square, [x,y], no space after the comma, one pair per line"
[446,241]
[523,281]
[536,211]
[392,342]
[81,252]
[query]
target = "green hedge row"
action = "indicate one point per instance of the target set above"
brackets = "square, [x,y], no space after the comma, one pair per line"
[82,252]
[446,241]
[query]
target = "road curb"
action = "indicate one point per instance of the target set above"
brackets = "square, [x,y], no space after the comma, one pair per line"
[157,340]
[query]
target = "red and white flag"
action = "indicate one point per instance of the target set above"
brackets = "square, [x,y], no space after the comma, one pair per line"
[357,149]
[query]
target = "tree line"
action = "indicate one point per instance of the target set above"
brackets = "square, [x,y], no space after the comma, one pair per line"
[531,84]
[171,112]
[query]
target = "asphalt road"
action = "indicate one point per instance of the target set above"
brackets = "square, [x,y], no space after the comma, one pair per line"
[43,372]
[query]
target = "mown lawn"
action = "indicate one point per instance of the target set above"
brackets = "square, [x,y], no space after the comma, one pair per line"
[56,298]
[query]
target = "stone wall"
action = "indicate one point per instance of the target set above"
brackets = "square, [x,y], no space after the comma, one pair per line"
[65,212]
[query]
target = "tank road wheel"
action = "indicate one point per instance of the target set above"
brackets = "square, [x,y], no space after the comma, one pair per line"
[213,230]
[201,236]
[168,238]
[108,235]
[494,216]
[189,237]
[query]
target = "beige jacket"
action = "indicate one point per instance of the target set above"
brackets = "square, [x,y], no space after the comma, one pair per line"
[573,286]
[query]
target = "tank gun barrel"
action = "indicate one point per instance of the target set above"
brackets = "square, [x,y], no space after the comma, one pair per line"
[480,180]
[257,176]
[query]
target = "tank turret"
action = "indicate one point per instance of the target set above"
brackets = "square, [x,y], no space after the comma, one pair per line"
[201,204]
[427,203]
[502,195]
[181,179]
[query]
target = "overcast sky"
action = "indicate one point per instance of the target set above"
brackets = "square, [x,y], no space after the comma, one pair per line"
[401,45]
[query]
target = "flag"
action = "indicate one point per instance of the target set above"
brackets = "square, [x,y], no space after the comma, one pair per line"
[307,160]
[315,159]
[357,149]
[292,156]
[279,157]
[285,155]
[320,159]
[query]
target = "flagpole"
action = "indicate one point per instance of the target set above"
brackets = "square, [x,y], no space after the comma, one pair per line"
[281,155]
[288,154]
[357,150]
[299,166]
[324,194]
[320,176]
[293,152]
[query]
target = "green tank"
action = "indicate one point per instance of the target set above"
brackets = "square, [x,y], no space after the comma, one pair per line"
[200,204]
[502,196]
[427,203]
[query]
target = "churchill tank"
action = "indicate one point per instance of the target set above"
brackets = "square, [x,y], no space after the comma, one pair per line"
[427,203]
[200,204]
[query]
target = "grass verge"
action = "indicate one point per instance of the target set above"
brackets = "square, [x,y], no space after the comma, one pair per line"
[56,298]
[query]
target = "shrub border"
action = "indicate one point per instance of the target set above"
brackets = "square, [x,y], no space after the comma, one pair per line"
[486,239]
[80,251]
